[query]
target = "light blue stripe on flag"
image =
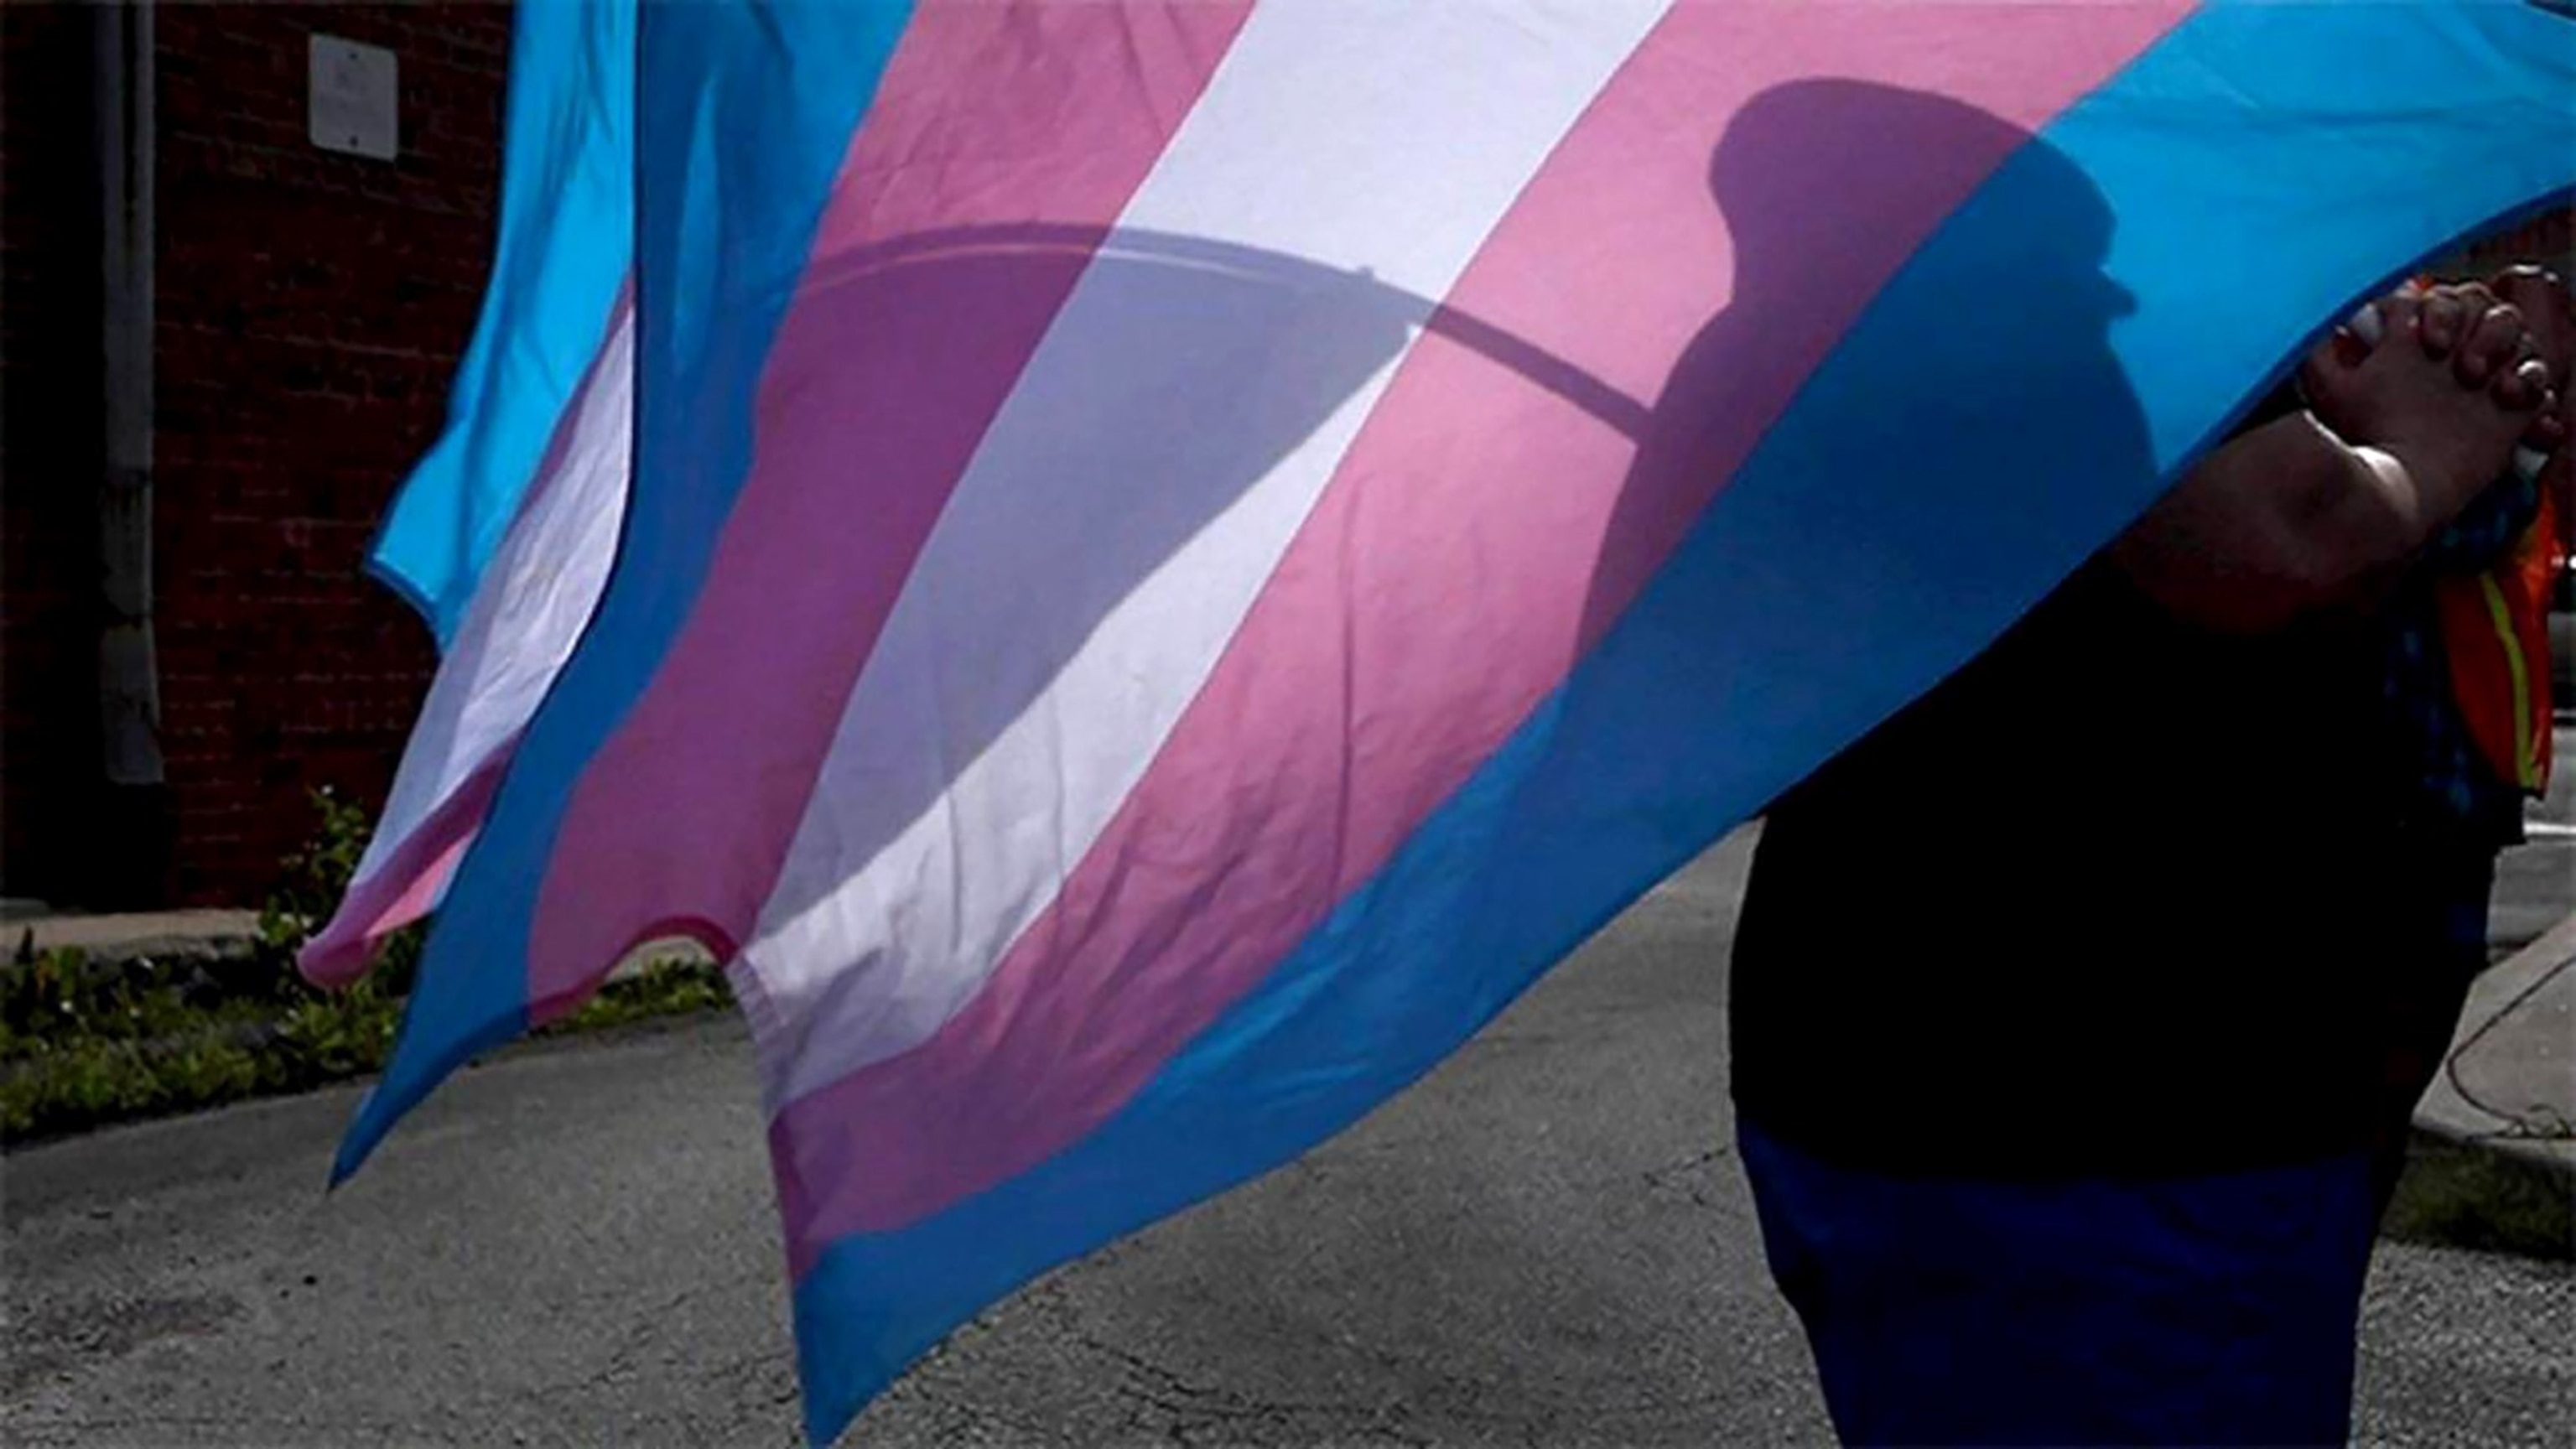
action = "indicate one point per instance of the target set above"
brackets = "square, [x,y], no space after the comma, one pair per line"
[748,112]
[566,237]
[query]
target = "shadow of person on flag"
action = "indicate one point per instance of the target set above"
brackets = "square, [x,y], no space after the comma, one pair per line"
[1260,352]
[1907,421]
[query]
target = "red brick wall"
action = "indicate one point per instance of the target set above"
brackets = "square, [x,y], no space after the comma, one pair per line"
[312,308]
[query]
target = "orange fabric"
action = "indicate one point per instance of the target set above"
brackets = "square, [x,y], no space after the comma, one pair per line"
[2495,632]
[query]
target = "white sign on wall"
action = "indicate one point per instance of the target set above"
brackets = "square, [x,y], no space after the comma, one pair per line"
[354,104]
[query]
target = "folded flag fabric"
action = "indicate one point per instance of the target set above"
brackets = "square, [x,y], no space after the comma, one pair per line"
[1140,570]
[503,535]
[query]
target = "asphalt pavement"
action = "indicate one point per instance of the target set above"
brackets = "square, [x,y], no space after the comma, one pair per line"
[1546,1243]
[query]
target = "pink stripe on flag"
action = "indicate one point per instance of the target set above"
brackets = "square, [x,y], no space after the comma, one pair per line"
[892,362]
[408,886]
[1478,537]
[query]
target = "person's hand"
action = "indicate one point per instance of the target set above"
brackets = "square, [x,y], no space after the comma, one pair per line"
[2323,509]
[2447,389]
[2489,334]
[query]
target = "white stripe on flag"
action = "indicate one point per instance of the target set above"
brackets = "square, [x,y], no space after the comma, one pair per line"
[533,600]
[1165,444]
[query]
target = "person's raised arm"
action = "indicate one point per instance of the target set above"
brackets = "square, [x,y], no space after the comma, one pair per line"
[2294,517]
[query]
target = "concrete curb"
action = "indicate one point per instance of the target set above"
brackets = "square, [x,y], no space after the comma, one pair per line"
[2497,1094]
[197,935]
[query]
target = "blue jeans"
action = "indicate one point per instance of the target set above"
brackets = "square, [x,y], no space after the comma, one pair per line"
[2198,1311]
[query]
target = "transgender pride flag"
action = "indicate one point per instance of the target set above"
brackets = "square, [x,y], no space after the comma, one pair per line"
[1140,570]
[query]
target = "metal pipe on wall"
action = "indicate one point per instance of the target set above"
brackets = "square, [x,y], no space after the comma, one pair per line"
[129,687]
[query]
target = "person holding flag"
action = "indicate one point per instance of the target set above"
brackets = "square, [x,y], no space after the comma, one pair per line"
[2094,1150]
